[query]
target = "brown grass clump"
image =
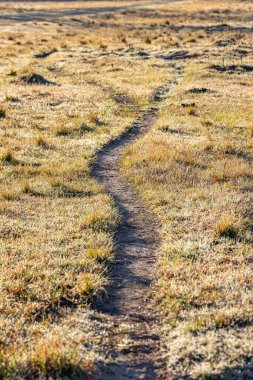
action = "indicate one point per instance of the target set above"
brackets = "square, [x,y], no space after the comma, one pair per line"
[192,111]
[101,220]
[2,113]
[226,227]
[147,40]
[7,157]
[41,142]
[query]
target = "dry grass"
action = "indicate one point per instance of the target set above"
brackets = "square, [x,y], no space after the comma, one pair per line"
[194,169]
[57,223]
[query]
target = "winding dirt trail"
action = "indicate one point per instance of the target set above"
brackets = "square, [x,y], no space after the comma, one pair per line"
[134,348]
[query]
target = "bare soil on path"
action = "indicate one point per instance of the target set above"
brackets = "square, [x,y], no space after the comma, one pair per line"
[129,304]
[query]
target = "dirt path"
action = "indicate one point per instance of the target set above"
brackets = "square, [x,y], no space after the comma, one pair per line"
[134,348]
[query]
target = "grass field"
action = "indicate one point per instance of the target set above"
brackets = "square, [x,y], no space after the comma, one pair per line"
[194,168]
[68,87]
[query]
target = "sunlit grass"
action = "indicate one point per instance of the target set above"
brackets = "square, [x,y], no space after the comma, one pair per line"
[193,169]
[197,178]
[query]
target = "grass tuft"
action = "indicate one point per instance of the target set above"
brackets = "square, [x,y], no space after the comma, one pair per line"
[62,131]
[12,73]
[26,188]
[7,157]
[2,113]
[192,111]
[41,142]
[147,40]
[101,220]
[226,227]
[9,194]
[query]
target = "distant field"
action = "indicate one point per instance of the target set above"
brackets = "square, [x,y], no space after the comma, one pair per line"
[71,83]
[17,6]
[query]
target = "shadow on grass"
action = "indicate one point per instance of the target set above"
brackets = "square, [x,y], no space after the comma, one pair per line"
[33,371]
[233,373]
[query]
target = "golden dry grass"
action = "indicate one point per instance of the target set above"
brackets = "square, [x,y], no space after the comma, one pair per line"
[57,223]
[194,169]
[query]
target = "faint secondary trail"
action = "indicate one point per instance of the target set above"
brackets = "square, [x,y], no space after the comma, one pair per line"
[57,15]
[129,307]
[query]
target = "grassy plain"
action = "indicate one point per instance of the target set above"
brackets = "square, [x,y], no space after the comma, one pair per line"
[194,169]
[57,223]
